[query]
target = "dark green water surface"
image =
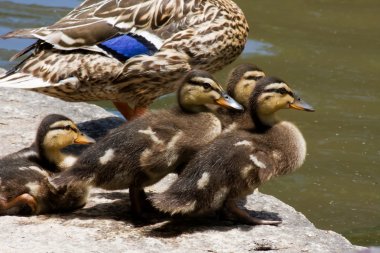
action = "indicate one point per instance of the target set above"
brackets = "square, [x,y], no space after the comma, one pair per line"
[328,50]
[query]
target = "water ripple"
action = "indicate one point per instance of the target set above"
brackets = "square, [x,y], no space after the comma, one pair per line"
[66,3]
[254,47]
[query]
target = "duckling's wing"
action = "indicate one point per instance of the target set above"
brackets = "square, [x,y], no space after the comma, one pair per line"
[96,21]
[215,173]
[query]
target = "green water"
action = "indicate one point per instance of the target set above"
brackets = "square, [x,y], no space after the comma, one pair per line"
[330,52]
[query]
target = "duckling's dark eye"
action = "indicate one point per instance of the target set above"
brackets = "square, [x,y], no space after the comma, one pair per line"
[206,86]
[68,127]
[282,91]
[255,78]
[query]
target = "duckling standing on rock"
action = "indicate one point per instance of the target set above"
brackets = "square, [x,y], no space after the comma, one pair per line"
[24,185]
[237,162]
[128,51]
[145,150]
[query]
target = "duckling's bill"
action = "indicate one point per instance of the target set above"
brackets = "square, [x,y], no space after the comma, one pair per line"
[228,102]
[84,139]
[301,105]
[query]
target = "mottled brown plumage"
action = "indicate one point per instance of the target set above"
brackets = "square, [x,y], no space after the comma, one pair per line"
[70,63]
[239,161]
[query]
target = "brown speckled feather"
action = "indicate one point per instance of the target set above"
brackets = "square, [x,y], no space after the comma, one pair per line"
[189,34]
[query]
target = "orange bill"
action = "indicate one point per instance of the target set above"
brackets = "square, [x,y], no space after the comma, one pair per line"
[83,139]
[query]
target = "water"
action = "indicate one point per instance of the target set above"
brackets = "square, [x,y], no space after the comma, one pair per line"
[329,52]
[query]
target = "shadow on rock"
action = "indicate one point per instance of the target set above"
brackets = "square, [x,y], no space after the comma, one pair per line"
[100,127]
[119,209]
[116,206]
[181,224]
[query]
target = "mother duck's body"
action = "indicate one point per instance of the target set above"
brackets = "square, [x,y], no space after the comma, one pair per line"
[129,51]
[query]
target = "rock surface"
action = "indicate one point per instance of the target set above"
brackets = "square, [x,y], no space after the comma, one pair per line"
[105,224]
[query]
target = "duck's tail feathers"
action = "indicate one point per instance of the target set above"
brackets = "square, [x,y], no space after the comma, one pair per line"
[24,51]
[21,33]
[22,81]
[174,202]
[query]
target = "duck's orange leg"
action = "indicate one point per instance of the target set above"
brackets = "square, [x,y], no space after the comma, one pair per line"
[128,112]
[25,199]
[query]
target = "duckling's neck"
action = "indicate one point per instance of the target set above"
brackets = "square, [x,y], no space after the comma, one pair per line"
[61,160]
[45,159]
[54,156]
[54,160]
[191,108]
[263,122]
[188,102]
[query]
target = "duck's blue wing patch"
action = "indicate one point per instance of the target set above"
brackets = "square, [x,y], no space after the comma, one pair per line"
[125,46]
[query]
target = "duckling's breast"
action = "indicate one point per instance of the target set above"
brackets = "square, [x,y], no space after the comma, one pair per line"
[291,146]
[212,127]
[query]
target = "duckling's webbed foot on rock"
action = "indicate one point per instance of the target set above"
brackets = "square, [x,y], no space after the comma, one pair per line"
[24,199]
[242,215]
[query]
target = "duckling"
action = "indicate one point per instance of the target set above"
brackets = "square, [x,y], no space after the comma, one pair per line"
[239,161]
[24,185]
[145,150]
[241,82]
[240,85]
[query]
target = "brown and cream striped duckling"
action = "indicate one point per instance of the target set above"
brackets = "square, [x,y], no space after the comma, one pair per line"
[145,150]
[239,161]
[241,82]
[24,185]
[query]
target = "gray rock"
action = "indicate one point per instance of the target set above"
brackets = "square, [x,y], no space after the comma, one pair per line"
[105,224]
[21,112]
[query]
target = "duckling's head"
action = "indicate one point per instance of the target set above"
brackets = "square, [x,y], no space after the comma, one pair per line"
[199,89]
[241,82]
[270,95]
[57,131]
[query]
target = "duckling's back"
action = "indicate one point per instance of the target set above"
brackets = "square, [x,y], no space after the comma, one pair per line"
[177,141]
[231,167]
[20,173]
[212,175]
[143,151]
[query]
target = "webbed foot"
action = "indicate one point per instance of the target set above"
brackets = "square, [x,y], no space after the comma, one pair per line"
[24,199]
[243,216]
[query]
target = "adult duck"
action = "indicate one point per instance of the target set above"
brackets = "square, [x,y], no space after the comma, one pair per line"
[128,51]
